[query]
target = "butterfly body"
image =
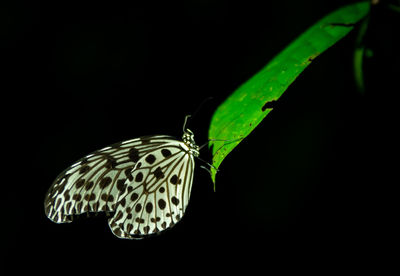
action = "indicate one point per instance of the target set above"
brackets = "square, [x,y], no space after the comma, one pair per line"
[144,183]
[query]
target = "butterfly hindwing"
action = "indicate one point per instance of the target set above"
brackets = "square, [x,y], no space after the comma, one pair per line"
[95,182]
[157,195]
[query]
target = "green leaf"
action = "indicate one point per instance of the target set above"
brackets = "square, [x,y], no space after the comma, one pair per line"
[246,107]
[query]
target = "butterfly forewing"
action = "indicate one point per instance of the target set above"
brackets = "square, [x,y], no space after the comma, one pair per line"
[93,183]
[143,183]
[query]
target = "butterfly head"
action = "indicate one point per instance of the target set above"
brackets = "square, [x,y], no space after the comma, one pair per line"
[188,139]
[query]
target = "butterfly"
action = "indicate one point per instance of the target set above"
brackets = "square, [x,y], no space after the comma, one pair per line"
[145,183]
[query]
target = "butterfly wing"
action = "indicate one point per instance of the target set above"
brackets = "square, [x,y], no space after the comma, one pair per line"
[95,182]
[157,195]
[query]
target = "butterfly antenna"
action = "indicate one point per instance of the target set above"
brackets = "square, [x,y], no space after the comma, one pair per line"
[185,122]
[197,110]
[201,105]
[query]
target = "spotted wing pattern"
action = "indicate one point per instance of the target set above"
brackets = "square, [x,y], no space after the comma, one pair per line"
[95,182]
[158,193]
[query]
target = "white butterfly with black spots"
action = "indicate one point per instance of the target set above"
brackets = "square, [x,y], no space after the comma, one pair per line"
[145,183]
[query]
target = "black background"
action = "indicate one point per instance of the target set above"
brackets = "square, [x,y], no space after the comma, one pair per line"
[312,181]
